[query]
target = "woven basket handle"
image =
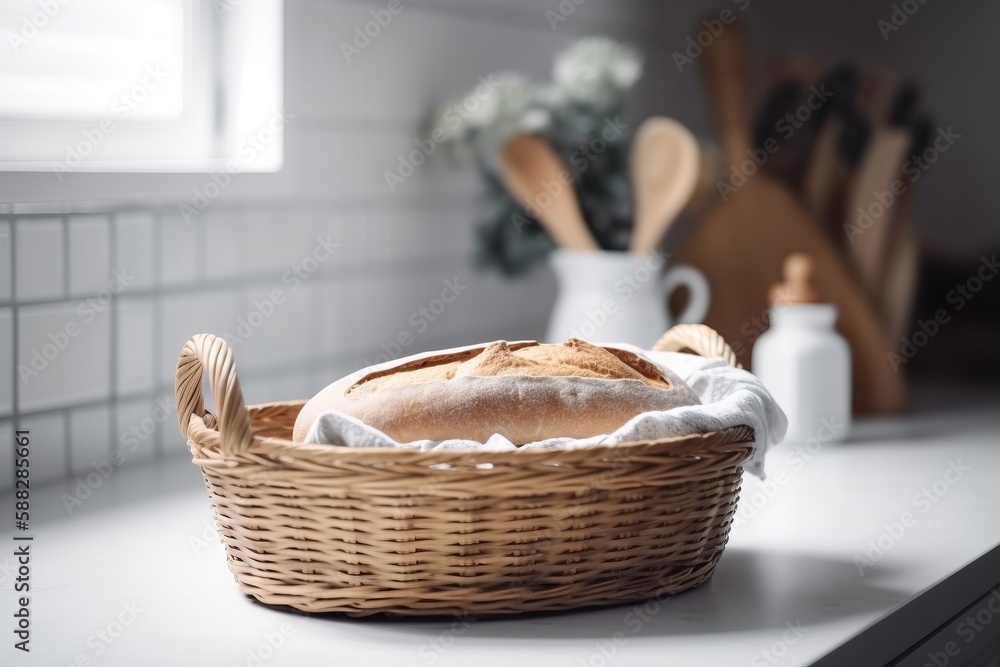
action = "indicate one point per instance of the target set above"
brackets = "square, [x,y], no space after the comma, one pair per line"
[698,338]
[206,351]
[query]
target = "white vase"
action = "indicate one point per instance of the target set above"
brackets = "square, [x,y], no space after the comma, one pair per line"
[620,297]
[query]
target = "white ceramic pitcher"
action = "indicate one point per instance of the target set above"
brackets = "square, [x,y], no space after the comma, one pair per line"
[620,297]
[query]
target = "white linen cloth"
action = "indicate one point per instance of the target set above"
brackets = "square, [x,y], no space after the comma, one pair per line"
[729,396]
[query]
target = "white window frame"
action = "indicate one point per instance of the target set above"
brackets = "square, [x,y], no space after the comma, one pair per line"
[225,39]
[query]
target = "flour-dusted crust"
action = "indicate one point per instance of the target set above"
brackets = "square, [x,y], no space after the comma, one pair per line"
[524,391]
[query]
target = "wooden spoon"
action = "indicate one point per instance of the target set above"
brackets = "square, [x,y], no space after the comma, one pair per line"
[665,164]
[534,175]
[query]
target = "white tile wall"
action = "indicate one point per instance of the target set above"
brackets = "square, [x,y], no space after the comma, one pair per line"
[138,425]
[134,248]
[48,446]
[352,121]
[224,240]
[6,361]
[284,387]
[377,310]
[187,314]
[274,241]
[169,440]
[89,265]
[90,438]
[331,321]
[66,368]
[41,262]
[273,326]
[7,454]
[179,248]
[135,346]
[5,259]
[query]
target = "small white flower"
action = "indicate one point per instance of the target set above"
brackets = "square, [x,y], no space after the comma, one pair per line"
[498,101]
[444,121]
[596,70]
[536,119]
[551,96]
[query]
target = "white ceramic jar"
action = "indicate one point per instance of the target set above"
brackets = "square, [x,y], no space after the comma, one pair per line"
[620,297]
[806,365]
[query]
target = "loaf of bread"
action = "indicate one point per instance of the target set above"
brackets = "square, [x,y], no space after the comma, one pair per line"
[523,391]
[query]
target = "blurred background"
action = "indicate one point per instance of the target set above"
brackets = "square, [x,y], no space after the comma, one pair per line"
[273,172]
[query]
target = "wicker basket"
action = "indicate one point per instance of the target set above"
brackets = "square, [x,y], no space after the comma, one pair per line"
[323,528]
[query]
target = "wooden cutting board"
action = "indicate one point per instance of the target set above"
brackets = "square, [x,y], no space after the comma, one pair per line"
[742,241]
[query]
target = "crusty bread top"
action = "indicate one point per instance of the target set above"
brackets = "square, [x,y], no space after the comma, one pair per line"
[574,358]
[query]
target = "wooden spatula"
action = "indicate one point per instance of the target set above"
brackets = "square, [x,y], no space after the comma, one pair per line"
[873,96]
[782,99]
[799,124]
[899,281]
[877,191]
[665,165]
[534,175]
[901,265]
[836,155]
[824,166]
[741,244]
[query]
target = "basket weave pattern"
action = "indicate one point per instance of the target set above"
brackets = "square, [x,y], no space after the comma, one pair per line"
[323,528]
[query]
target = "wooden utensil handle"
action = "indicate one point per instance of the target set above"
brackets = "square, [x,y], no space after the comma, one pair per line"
[700,339]
[206,352]
[727,73]
[529,165]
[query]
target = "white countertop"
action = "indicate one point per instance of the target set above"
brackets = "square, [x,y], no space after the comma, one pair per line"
[142,550]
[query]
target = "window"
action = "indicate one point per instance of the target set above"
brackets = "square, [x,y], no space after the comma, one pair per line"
[139,85]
